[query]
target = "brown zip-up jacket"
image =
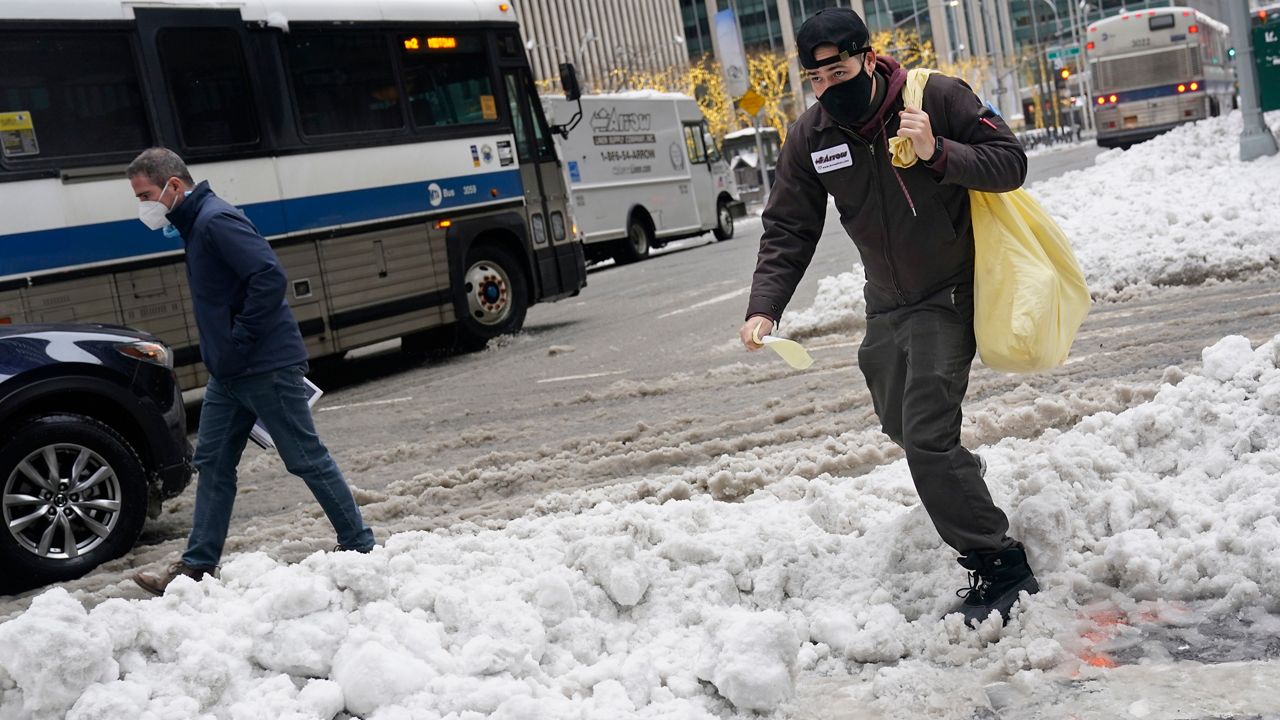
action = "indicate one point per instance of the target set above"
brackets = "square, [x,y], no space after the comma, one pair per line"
[911,225]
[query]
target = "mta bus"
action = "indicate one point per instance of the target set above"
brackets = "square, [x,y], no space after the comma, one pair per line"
[393,152]
[1155,69]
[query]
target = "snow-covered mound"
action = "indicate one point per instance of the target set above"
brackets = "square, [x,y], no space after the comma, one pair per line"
[695,608]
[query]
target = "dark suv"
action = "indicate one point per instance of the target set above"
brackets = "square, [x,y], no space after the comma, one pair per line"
[92,439]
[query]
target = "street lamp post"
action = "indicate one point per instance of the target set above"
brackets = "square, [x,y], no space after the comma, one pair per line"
[1043,87]
[1256,139]
[1082,41]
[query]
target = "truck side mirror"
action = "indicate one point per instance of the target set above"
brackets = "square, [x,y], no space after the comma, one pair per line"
[569,82]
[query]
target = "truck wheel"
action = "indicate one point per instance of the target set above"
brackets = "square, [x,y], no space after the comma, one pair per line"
[724,221]
[496,293]
[74,496]
[635,246]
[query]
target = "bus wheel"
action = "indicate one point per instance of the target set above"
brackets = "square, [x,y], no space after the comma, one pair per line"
[724,221]
[74,496]
[496,293]
[635,246]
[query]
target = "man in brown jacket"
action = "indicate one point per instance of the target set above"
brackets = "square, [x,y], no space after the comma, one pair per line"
[913,230]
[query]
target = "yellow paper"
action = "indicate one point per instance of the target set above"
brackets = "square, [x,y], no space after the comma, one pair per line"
[789,350]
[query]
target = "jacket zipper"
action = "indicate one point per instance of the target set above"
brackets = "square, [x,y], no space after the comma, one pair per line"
[884,221]
[898,176]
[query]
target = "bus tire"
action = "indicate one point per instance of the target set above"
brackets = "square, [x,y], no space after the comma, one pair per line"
[496,296]
[724,221]
[635,246]
[104,519]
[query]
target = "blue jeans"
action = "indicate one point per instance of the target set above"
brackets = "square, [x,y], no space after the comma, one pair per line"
[230,409]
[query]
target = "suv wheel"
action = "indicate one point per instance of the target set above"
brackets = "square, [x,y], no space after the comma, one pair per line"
[73,496]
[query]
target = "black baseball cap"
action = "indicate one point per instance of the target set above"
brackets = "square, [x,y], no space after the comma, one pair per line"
[838,26]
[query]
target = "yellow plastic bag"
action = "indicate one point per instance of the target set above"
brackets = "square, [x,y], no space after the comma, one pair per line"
[1030,296]
[902,152]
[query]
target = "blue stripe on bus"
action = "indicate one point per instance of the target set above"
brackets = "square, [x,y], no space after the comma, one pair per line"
[121,239]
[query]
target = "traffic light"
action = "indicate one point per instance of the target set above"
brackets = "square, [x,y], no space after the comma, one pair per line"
[1064,73]
[1061,81]
[1231,52]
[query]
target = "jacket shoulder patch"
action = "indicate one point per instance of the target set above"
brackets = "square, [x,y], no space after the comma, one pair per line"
[832,158]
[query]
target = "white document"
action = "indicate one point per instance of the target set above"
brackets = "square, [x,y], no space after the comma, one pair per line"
[259,434]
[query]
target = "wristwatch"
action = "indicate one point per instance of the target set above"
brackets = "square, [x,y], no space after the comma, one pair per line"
[937,151]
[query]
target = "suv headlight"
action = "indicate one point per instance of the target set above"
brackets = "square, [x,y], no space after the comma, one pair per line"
[145,351]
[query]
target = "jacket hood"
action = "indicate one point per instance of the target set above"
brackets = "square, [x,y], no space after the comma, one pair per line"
[889,71]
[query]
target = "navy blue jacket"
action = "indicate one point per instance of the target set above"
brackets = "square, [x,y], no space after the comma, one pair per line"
[238,290]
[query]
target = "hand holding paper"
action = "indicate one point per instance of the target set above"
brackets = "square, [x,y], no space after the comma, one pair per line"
[789,350]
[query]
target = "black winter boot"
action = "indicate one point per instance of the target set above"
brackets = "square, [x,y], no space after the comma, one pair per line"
[995,579]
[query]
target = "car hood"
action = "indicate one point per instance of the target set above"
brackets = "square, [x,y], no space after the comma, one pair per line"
[73,330]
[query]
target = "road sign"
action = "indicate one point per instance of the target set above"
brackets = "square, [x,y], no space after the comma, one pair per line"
[751,102]
[1066,52]
[1266,52]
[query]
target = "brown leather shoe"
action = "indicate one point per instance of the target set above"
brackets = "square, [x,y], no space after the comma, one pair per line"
[155,583]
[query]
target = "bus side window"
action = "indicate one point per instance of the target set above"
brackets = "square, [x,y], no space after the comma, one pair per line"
[72,111]
[343,82]
[205,71]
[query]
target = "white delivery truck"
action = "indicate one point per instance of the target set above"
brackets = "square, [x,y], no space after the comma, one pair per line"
[643,170]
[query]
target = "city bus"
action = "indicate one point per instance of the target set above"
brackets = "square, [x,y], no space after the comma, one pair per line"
[393,152]
[1155,69]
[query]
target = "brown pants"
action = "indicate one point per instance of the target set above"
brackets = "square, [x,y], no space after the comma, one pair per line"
[916,361]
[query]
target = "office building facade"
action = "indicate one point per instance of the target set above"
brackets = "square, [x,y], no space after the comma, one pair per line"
[605,39]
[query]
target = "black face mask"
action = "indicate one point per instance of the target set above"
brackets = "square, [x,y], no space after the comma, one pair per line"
[848,101]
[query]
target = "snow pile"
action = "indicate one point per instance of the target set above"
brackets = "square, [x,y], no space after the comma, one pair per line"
[695,608]
[1176,209]
[839,307]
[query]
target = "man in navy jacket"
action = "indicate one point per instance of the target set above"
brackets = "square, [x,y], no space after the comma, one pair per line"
[250,343]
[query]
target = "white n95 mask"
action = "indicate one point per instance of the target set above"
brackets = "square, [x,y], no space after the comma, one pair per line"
[152,212]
